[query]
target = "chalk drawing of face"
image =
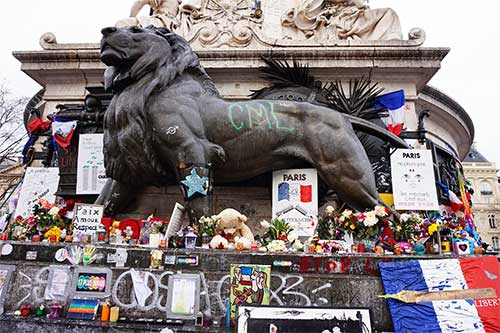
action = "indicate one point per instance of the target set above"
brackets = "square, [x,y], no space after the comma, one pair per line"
[412,179]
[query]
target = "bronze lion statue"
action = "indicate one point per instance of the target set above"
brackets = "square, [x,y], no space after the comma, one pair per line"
[166,115]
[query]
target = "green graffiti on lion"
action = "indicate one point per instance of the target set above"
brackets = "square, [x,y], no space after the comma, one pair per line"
[255,114]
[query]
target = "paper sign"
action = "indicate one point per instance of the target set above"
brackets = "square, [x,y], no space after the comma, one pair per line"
[91,174]
[295,198]
[413,180]
[38,183]
[87,218]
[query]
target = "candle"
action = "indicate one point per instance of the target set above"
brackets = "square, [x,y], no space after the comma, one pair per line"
[361,248]
[114,313]
[105,312]
[35,238]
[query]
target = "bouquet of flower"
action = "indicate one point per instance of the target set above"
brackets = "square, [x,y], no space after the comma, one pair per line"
[207,225]
[329,226]
[363,225]
[409,224]
[279,233]
[48,220]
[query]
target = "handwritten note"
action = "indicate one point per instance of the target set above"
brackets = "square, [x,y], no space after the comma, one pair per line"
[38,183]
[87,218]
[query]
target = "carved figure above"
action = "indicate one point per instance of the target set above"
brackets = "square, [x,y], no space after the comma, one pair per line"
[163,13]
[343,19]
[220,22]
[159,85]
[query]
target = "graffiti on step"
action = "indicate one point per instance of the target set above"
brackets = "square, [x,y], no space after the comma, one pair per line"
[286,290]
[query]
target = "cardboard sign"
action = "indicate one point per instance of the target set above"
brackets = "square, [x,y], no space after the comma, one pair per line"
[87,218]
[249,286]
[303,319]
[38,183]
[413,181]
[295,198]
[91,174]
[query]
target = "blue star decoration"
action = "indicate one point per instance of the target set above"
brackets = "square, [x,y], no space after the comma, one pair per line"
[195,184]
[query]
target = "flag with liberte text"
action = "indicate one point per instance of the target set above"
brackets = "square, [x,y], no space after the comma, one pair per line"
[476,278]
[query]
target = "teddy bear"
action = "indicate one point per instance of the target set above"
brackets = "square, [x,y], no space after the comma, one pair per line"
[231,229]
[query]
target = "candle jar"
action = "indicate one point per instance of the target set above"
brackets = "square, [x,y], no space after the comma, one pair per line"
[114,313]
[52,238]
[55,311]
[361,247]
[35,238]
[25,310]
[68,239]
[105,312]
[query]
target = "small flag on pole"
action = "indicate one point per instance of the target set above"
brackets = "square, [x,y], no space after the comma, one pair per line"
[394,102]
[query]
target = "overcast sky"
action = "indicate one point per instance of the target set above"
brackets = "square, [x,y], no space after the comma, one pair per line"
[469,74]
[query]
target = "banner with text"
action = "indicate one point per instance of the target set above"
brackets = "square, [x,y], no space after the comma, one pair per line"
[38,183]
[295,198]
[413,181]
[91,174]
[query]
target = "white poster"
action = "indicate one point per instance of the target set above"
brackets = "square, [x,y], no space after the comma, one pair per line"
[295,198]
[87,218]
[413,182]
[38,183]
[91,174]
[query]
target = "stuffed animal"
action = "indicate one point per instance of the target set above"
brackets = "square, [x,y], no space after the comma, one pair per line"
[232,228]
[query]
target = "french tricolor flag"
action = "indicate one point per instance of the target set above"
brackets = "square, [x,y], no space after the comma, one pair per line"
[459,315]
[294,192]
[394,102]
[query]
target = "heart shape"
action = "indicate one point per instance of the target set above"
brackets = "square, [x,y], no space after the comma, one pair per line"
[463,247]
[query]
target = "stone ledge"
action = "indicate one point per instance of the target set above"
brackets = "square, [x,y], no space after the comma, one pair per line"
[30,324]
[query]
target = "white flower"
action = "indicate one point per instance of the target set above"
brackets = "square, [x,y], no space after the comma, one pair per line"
[329,210]
[53,211]
[380,211]
[404,217]
[265,224]
[371,219]
[277,246]
[298,245]
[292,236]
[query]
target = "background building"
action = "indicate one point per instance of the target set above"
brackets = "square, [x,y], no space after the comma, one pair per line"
[486,200]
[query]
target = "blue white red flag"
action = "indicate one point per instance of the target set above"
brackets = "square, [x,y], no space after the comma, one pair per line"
[394,102]
[294,192]
[461,315]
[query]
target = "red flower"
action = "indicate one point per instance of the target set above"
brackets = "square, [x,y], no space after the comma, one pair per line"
[62,212]
[70,204]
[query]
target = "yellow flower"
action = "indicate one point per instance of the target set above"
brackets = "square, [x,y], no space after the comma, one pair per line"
[53,231]
[433,228]
[353,226]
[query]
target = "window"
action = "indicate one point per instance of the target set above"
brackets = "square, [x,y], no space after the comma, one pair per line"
[494,243]
[486,188]
[491,219]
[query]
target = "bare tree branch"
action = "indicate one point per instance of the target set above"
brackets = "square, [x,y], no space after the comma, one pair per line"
[12,131]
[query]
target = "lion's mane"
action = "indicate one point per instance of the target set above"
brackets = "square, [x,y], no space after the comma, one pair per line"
[128,145]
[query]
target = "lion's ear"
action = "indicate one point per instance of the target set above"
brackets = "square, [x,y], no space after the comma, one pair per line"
[109,76]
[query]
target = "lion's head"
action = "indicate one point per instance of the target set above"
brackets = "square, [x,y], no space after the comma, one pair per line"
[134,52]
[144,61]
